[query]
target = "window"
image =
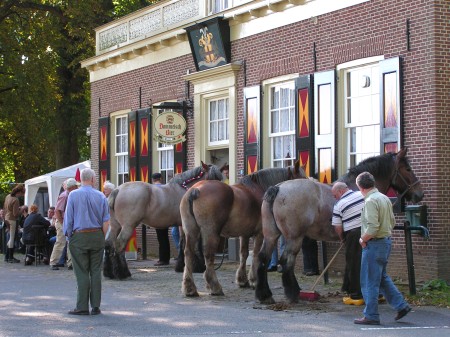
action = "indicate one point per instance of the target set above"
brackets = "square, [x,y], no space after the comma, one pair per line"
[282,124]
[165,157]
[218,122]
[217,6]
[362,112]
[121,150]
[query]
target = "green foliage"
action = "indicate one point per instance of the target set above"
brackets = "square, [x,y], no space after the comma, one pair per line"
[434,292]
[44,92]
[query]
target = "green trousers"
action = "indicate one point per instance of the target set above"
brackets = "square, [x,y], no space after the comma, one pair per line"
[87,260]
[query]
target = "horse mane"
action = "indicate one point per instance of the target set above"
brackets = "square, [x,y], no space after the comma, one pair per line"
[266,177]
[380,166]
[213,174]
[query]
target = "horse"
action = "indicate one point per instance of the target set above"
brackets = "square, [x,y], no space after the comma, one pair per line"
[304,207]
[211,209]
[138,202]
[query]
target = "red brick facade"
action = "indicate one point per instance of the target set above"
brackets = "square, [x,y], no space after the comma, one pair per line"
[370,29]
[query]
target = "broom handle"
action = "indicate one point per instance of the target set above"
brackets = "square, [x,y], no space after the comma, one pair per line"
[328,266]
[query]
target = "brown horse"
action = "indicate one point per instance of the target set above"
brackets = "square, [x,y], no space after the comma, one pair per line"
[213,209]
[303,207]
[138,202]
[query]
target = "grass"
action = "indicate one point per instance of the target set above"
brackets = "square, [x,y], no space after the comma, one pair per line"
[434,293]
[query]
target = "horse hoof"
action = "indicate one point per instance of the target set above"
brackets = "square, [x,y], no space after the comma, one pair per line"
[194,294]
[244,285]
[219,293]
[267,301]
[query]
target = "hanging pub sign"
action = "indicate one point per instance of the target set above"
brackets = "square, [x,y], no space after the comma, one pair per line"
[170,128]
[210,43]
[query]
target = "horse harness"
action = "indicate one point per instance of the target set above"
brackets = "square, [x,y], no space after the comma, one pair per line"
[408,186]
[188,181]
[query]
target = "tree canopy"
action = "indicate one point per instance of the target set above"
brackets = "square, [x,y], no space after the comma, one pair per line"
[44,93]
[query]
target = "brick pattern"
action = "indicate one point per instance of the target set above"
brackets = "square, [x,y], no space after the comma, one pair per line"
[373,28]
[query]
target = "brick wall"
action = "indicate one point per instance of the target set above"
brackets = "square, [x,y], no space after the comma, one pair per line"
[373,28]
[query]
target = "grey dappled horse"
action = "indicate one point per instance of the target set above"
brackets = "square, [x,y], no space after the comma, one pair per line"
[304,207]
[138,202]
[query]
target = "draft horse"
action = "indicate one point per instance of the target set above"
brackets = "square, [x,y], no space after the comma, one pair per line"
[304,207]
[138,202]
[212,209]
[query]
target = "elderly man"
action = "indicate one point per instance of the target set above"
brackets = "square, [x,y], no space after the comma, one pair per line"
[347,224]
[108,187]
[377,222]
[85,223]
[69,185]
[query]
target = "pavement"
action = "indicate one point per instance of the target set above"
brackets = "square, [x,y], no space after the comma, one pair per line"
[34,301]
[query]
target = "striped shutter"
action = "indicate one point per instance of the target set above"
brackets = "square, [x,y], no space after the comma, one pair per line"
[324,125]
[144,144]
[133,140]
[304,140]
[252,129]
[391,114]
[104,164]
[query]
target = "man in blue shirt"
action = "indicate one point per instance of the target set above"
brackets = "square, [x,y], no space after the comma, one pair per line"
[86,222]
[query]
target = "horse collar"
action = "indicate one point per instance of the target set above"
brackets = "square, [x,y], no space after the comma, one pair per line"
[188,181]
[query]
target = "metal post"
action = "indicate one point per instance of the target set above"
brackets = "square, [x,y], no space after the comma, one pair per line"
[409,259]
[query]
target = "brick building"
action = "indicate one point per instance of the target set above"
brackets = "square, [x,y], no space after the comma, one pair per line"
[279,80]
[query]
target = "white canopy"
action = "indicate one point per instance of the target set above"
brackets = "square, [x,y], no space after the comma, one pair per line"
[53,181]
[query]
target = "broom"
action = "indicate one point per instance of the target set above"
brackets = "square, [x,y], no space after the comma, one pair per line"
[314,295]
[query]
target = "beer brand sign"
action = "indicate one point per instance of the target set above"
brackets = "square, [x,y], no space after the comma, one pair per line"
[170,128]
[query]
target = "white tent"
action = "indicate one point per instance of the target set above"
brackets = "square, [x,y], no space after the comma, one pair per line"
[53,181]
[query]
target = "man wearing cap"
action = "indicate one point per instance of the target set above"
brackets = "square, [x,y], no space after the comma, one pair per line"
[162,234]
[69,185]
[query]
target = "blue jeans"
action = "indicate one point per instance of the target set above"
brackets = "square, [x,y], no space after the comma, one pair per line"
[375,281]
[176,237]
[274,259]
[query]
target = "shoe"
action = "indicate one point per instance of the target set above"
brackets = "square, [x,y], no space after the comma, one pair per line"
[402,313]
[351,301]
[96,311]
[366,321]
[311,273]
[78,312]
[70,268]
[59,265]
[271,269]
[161,263]
[55,267]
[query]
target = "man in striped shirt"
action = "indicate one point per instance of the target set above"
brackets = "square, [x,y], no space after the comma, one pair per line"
[347,222]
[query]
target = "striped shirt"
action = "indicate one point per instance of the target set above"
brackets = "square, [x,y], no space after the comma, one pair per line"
[347,210]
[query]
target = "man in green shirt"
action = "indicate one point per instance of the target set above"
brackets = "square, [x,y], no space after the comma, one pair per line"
[377,222]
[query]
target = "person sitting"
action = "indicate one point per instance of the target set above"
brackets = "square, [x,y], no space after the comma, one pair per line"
[28,237]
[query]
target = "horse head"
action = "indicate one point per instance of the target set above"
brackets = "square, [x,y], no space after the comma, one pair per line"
[404,180]
[297,172]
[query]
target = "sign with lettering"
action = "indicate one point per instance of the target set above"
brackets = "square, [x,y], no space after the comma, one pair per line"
[170,128]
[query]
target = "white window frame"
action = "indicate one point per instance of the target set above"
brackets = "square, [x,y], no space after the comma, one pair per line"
[121,158]
[285,161]
[225,121]
[364,136]
[167,171]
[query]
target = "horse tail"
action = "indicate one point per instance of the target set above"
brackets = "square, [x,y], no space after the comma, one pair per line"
[270,196]
[112,198]
[194,193]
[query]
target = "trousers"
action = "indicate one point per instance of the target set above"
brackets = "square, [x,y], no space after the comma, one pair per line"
[87,260]
[59,245]
[375,280]
[351,283]
[12,233]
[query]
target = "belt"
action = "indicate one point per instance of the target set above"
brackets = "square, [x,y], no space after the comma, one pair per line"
[376,239]
[88,230]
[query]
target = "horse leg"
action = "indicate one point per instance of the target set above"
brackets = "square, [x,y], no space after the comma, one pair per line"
[119,262]
[290,284]
[262,290]
[241,273]
[114,265]
[210,246]
[199,258]
[252,274]
[188,287]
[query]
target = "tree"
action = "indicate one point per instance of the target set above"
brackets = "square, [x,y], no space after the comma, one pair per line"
[44,93]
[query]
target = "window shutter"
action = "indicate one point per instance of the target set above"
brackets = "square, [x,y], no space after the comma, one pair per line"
[304,140]
[252,129]
[324,125]
[104,164]
[390,105]
[144,139]
[132,150]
